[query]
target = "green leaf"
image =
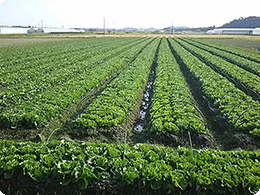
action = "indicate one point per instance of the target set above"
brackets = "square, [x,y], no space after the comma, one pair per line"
[101,162]
[183,183]
[113,153]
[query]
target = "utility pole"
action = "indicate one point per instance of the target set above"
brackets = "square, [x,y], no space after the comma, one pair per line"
[104,21]
[172,26]
[41,23]
[114,26]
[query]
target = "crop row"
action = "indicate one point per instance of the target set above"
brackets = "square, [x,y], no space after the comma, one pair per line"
[153,169]
[241,76]
[40,96]
[242,62]
[41,108]
[240,110]
[171,107]
[53,72]
[53,58]
[252,55]
[23,57]
[114,104]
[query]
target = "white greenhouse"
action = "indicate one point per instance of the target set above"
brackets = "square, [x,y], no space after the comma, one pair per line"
[235,31]
[256,31]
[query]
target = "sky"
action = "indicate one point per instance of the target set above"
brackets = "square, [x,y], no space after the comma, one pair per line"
[125,13]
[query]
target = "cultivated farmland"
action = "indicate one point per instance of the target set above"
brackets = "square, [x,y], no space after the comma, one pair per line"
[147,96]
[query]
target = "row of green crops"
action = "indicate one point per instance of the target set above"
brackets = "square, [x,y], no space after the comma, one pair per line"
[23,85]
[18,60]
[171,108]
[41,108]
[29,53]
[252,55]
[240,110]
[118,99]
[153,168]
[241,76]
[249,65]
[38,83]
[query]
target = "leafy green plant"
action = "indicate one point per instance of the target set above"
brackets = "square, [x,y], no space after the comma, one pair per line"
[113,105]
[40,96]
[144,167]
[240,110]
[171,109]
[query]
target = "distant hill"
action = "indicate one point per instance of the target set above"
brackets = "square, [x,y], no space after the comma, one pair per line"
[175,28]
[183,28]
[249,22]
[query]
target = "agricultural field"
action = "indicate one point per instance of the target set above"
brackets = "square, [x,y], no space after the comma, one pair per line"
[246,42]
[142,114]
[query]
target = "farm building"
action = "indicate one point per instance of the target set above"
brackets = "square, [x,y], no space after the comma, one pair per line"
[235,31]
[13,30]
[256,31]
[21,30]
[34,30]
[62,30]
